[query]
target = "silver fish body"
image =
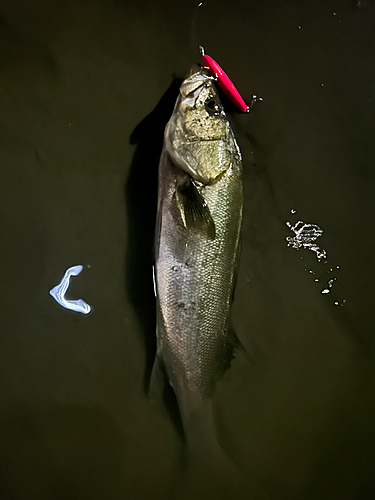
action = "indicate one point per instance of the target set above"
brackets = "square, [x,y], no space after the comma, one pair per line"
[200,201]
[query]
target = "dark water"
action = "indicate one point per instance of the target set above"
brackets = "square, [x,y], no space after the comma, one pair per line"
[81,131]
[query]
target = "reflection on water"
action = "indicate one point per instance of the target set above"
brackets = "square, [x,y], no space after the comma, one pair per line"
[58,292]
[305,236]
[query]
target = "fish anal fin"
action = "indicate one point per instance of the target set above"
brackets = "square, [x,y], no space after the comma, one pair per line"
[162,394]
[158,380]
[194,210]
[234,347]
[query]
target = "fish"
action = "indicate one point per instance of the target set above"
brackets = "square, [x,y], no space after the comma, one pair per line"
[197,240]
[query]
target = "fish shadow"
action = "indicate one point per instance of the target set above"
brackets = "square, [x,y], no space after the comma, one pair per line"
[141,205]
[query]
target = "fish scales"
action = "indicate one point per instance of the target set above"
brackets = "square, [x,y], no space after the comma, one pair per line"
[199,219]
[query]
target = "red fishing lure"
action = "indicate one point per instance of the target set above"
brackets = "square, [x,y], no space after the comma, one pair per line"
[225,83]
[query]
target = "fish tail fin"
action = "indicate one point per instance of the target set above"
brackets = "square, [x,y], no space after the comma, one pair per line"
[207,472]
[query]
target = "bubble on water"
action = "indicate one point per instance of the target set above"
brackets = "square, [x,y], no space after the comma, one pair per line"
[305,236]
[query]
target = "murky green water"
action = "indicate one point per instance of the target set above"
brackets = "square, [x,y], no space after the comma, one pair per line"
[81,132]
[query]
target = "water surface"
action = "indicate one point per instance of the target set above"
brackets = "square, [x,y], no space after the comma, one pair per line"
[81,116]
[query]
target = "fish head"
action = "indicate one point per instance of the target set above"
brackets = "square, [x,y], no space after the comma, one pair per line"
[198,137]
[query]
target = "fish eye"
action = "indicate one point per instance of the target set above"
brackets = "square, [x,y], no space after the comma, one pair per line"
[212,107]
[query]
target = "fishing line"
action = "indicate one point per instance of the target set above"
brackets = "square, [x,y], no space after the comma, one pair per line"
[194,28]
[215,70]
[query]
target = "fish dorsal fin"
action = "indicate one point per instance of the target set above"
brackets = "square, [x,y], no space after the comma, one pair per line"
[194,209]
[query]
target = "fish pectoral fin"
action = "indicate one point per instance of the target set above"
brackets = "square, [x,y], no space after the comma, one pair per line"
[194,209]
